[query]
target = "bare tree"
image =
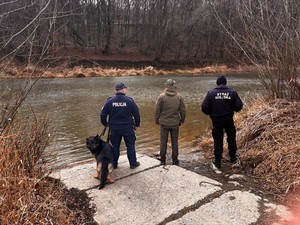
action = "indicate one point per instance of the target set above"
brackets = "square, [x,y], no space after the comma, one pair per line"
[268,35]
[26,40]
[261,32]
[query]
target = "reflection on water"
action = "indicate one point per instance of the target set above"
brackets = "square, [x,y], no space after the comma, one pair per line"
[73,107]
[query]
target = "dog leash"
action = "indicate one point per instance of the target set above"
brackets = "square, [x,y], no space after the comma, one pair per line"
[103,132]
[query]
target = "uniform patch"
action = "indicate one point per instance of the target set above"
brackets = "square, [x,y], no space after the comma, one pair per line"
[222,95]
[119,104]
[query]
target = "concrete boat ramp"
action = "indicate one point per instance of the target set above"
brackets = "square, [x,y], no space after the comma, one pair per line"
[152,194]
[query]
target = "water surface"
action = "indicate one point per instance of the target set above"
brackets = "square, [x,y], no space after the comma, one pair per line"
[73,106]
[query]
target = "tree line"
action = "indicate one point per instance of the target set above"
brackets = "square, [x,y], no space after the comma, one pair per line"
[197,32]
[176,29]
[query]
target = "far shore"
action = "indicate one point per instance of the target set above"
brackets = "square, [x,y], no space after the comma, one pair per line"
[31,71]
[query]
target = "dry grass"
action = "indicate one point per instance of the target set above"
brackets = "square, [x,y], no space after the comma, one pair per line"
[27,196]
[269,143]
[23,196]
[80,71]
[19,71]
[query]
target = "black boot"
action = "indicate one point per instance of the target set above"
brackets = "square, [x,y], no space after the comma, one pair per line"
[176,162]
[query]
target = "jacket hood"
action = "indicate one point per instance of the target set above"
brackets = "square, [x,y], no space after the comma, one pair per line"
[171,91]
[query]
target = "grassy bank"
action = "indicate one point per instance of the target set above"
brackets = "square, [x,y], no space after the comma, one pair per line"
[27,195]
[21,71]
[269,143]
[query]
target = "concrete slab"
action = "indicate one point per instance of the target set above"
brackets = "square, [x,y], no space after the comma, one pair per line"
[234,208]
[81,176]
[151,196]
[146,195]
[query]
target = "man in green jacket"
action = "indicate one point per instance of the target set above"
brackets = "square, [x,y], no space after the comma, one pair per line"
[169,114]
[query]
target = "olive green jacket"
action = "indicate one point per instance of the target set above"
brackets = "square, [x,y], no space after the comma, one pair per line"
[170,108]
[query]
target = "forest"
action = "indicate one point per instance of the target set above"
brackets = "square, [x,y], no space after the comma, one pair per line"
[175,30]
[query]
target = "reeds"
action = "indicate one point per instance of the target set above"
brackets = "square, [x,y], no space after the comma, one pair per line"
[269,144]
[27,196]
[98,71]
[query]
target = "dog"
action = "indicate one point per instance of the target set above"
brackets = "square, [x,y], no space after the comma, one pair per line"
[102,152]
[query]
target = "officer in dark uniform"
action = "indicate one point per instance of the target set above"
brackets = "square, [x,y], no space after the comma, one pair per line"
[220,104]
[124,118]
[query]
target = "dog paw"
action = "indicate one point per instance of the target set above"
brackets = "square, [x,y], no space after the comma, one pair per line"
[110,180]
[101,187]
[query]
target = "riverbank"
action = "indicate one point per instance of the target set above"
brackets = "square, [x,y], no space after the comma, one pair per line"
[95,70]
[72,62]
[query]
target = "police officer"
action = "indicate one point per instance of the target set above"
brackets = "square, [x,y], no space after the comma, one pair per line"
[124,117]
[220,104]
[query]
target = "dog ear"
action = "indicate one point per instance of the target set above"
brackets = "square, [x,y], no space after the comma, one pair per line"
[88,140]
[97,136]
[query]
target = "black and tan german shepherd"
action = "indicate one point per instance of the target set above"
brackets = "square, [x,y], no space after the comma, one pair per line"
[102,152]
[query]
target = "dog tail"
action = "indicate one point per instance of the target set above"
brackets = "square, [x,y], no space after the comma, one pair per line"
[104,173]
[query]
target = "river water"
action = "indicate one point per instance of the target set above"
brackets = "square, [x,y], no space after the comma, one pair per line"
[73,105]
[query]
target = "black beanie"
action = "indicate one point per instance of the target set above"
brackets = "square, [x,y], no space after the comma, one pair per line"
[221,80]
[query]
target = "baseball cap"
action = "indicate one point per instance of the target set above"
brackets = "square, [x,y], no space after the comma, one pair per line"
[120,86]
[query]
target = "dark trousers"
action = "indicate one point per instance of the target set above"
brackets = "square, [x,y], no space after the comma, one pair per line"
[218,135]
[164,135]
[129,139]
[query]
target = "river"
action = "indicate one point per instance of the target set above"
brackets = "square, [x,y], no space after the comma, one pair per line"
[73,105]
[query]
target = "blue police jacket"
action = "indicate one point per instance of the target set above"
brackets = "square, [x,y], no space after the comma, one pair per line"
[221,103]
[121,112]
